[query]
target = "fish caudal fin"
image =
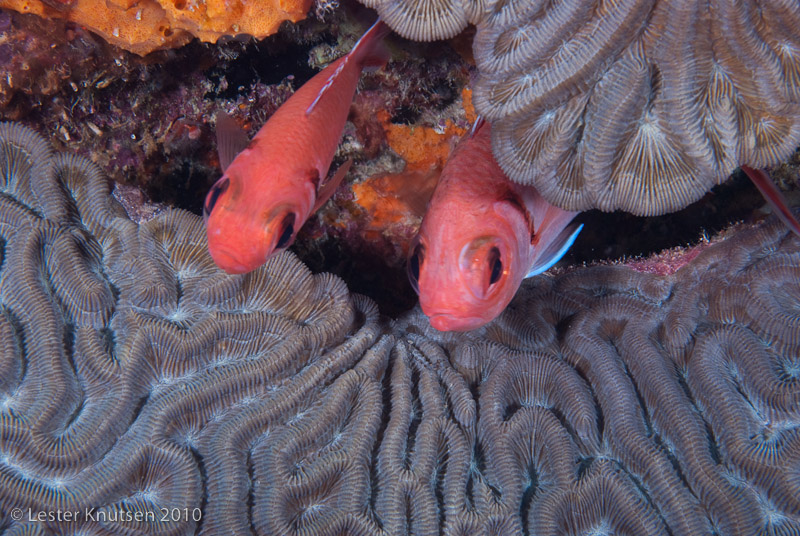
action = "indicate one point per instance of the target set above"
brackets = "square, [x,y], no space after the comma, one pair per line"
[774,197]
[369,51]
[326,190]
[231,139]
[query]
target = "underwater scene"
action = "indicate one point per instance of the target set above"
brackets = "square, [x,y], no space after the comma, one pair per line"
[399,267]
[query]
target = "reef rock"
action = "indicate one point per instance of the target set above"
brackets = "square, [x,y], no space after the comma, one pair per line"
[142,390]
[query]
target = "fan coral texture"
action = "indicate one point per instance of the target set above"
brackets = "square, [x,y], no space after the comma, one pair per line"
[142,390]
[148,25]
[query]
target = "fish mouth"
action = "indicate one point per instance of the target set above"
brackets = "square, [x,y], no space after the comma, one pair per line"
[451,322]
[228,262]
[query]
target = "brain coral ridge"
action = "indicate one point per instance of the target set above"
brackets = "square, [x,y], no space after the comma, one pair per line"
[638,105]
[135,376]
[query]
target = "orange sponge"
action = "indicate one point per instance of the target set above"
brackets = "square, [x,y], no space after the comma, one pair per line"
[142,26]
[395,203]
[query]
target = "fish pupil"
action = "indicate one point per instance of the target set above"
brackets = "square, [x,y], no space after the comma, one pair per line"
[217,190]
[288,231]
[495,265]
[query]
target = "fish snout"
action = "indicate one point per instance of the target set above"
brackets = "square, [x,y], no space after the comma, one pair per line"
[449,322]
[232,262]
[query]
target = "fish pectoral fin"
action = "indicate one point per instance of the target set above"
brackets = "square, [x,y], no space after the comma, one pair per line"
[231,139]
[556,249]
[774,197]
[329,187]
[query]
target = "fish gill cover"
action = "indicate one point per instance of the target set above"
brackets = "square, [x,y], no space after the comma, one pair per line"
[144,390]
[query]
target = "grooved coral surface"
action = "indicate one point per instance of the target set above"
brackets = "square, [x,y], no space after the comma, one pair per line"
[639,105]
[136,377]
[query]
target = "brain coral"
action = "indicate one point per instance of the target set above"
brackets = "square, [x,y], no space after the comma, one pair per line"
[639,105]
[137,380]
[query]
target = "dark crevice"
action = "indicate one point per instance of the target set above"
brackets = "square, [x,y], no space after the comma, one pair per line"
[673,460]
[584,463]
[510,410]
[137,409]
[528,495]
[646,495]
[416,417]
[201,466]
[386,411]
[439,474]
[562,327]
[645,413]
[251,499]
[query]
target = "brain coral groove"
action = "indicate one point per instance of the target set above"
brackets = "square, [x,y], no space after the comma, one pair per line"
[135,376]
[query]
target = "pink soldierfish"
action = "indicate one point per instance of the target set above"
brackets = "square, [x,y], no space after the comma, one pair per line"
[271,187]
[481,236]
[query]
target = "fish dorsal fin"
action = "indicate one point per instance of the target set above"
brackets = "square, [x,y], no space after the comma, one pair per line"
[231,139]
[555,250]
[326,190]
[774,197]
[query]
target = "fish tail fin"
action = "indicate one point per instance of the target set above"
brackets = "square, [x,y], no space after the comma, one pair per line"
[774,197]
[369,50]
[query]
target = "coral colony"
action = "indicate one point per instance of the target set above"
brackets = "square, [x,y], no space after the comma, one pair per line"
[145,391]
[140,381]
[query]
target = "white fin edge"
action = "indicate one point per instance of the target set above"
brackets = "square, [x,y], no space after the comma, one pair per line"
[557,249]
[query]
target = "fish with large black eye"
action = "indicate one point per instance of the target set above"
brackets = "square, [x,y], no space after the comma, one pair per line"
[481,236]
[274,182]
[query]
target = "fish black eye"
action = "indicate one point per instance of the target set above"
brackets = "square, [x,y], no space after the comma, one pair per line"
[495,266]
[217,190]
[413,265]
[288,231]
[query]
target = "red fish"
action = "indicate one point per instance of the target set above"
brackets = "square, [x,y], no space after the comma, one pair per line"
[277,181]
[774,197]
[481,236]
